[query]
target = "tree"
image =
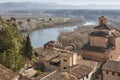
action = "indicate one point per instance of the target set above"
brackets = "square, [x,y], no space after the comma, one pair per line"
[28,20]
[28,49]
[10,41]
[50,19]
[12,60]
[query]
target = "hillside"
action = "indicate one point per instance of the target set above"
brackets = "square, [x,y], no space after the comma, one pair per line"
[11,6]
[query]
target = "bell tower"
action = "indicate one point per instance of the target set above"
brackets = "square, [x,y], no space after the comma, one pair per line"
[103,20]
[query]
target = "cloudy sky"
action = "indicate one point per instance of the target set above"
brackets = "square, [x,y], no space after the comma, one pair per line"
[71,2]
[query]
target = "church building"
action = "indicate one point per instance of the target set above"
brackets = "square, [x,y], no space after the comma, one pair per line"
[104,42]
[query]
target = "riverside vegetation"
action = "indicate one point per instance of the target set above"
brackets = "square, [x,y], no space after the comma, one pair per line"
[78,37]
[28,23]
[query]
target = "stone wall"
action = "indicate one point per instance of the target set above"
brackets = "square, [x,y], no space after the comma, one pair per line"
[111,40]
[103,20]
[68,59]
[98,41]
[65,62]
[110,76]
[49,67]
[94,55]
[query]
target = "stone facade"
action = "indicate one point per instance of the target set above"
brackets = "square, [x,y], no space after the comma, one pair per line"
[57,59]
[111,70]
[102,20]
[103,42]
[68,59]
[109,75]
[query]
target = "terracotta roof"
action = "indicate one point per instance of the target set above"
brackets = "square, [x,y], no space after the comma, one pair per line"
[97,49]
[112,66]
[105,34]
[39,50]
[116,34]
[42,75]
[72,78]
[55,75]
[104,27]
[50,54]
[7,74]
[57,59]
[80,71]
[23,78]
[100,33]
[89,63]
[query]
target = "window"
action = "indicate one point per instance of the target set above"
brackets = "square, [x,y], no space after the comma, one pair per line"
[55,63]
[118,74]
[64,60]
[65,67]
[113,73]
[106,72]
[87,76]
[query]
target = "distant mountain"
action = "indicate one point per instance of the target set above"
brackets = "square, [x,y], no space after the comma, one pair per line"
[35,5]
[32,5]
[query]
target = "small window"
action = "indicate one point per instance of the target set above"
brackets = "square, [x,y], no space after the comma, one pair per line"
[87,76]
[65,67]
[106,72]
[113,73]
[64,60]
[118,74]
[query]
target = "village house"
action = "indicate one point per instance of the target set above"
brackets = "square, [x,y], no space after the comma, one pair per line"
[57,59]
[99,58]
[111,70]
[7,74]
[53,75]
[78,72]
[103,42]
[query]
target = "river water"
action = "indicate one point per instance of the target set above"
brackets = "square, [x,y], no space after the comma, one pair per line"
[40,37]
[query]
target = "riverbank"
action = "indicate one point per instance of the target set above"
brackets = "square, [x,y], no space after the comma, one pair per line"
[41,36]
[32,25]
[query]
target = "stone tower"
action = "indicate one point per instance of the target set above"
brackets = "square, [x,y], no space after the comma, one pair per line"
[103,20]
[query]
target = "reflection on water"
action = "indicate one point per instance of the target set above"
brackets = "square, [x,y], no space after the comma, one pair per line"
[41,36]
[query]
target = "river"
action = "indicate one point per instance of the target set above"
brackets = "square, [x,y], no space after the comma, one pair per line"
[40,37]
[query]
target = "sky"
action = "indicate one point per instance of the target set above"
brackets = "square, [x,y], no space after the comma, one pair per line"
[71,2]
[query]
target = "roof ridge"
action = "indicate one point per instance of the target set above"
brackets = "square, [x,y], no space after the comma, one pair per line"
[103,26]
[116,29]
[108,26]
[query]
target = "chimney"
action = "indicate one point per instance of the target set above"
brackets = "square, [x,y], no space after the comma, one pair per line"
[103,20]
